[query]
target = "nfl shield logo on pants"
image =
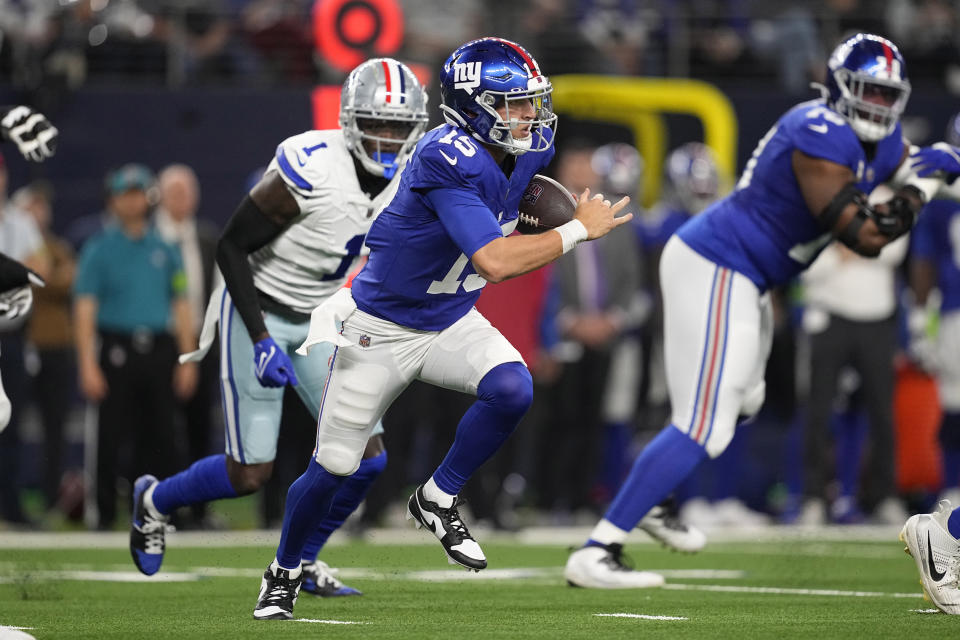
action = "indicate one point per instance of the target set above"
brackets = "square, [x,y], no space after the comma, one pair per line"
[364,340]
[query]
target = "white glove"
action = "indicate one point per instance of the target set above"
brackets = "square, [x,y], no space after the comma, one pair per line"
[33,134]
[16,302]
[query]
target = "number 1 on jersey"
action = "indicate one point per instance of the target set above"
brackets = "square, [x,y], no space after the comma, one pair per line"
[354,245]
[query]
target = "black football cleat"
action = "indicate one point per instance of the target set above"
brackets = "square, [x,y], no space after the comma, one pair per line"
[446,524]
[278,594]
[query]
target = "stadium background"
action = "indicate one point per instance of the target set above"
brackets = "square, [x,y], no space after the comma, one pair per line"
[217,84]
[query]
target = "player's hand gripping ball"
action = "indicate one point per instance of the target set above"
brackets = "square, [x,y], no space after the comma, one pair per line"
[546,204]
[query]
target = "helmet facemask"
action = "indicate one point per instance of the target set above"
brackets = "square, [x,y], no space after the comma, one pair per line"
[871,105]
[382,144]
[514,105]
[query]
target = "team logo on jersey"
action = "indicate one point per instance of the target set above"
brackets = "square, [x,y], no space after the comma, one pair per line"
[466,75]
[532,194]
[364,340]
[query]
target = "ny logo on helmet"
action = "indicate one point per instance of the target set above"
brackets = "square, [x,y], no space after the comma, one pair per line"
[466,75]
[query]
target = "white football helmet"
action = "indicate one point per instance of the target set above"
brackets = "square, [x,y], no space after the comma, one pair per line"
[383,113]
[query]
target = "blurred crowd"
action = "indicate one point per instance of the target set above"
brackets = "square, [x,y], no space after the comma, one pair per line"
[96,410]
[50,46]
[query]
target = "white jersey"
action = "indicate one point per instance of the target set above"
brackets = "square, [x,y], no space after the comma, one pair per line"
[308,262]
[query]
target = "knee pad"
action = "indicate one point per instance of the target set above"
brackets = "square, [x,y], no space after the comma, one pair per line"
[508,387]
[338,459]
[950,430]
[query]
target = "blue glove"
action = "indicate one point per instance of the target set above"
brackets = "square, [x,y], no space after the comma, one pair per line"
[272,364]
[939,157]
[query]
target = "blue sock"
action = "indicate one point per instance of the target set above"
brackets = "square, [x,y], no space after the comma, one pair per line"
[953,524]
[205,480]
[348,498]
[660,467]
[308,502]
[503,397]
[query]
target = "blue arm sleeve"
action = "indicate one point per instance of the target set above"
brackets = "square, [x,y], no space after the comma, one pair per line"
[465,217]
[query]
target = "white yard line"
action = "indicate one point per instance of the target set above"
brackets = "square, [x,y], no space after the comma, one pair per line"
[787,591]
[640,616]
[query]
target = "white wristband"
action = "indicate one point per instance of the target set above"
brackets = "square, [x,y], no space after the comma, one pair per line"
[572,233]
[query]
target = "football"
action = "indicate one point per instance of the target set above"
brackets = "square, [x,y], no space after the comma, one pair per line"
[546,204]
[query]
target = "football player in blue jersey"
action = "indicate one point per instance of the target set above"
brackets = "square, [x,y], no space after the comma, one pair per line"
[935,248]
[411,315]
[804,187]
[289,246]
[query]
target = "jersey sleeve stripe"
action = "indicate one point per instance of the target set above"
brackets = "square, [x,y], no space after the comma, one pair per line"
[288,171]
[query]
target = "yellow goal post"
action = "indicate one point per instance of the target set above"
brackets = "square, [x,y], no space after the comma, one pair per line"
[638,104]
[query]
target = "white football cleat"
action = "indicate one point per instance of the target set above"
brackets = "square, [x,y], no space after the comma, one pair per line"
[603,568]
[671,532]
[937,556]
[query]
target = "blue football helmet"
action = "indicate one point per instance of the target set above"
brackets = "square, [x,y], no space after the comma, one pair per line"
[382,94]
[485,74]
[693,175]
[867,85]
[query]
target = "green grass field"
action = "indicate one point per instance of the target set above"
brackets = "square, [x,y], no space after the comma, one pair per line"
[801,588]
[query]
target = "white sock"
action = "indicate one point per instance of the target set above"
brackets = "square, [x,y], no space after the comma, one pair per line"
[148,503]
[433,493]
[608,533]
[276,565]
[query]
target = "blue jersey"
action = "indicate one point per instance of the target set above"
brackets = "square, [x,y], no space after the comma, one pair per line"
[764,229]
[453,199]
[936,238]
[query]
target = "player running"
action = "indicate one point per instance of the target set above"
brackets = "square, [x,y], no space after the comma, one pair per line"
[288,247]
[410,314]
[805,186]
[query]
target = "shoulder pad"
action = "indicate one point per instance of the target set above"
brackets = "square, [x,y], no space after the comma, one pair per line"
[453,163]
[305,161]
[821,132]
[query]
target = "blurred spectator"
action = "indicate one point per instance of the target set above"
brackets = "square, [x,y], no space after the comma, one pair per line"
[130,291]
[850,319]
[777,22]
[50,337]
[552,36]
[177,223]
[21,240]
[282,33]
[202,42]
[926,31]
[596,284]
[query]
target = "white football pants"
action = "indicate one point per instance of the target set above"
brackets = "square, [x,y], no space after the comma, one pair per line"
[718,330]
